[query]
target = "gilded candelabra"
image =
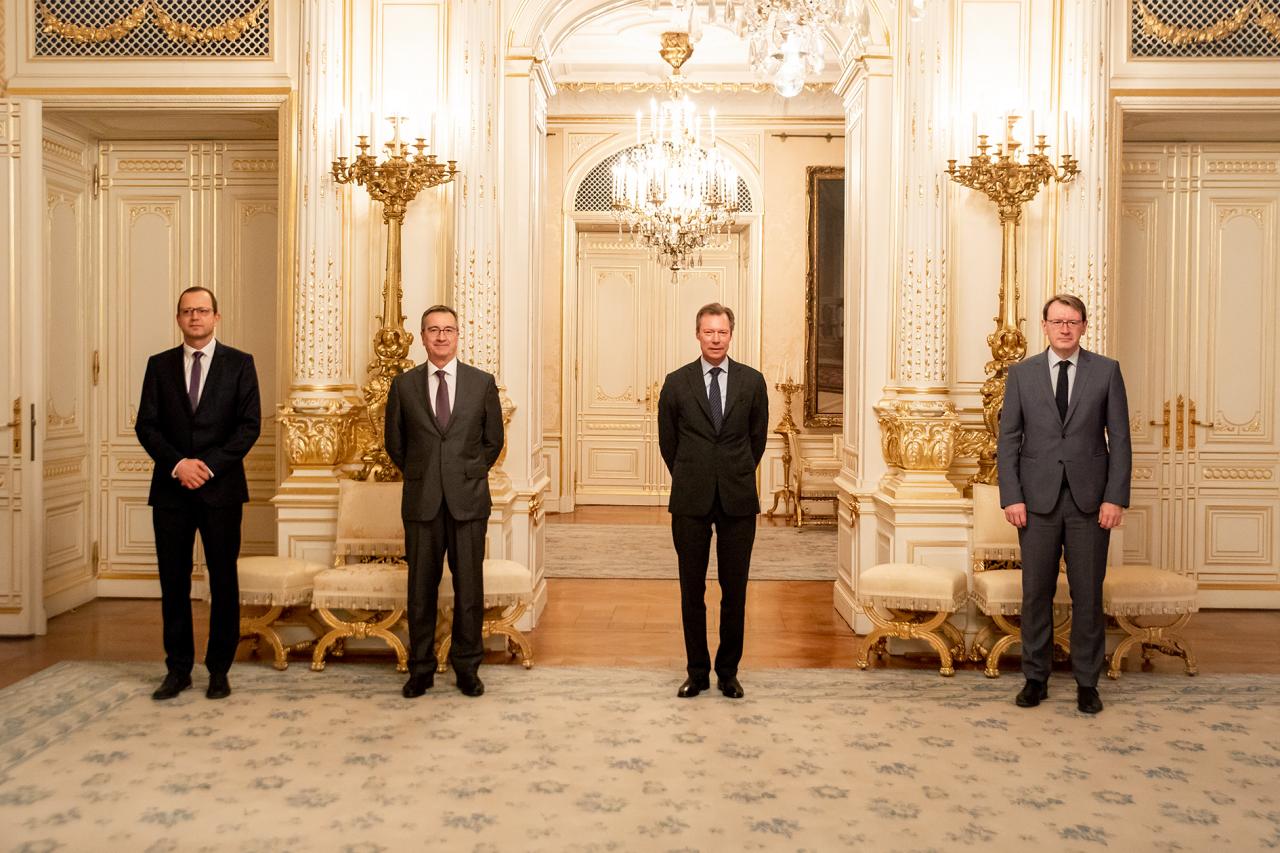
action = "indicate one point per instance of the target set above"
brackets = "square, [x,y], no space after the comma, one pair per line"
[786,428]
[395,181]
[1010,182]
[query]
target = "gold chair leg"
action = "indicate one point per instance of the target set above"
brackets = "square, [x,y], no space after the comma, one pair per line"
[1166,639]
[873,641]
[981,644]
[957,639]
[259,627]
[502,621]
[908,625]
[360,629]
[338,630]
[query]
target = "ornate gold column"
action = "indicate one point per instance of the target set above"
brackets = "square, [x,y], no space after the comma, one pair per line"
[315,421]
[918,420]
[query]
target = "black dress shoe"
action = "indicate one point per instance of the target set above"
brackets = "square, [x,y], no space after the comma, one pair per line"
[470,685]
[172,685]
[692,687]
[417,685]
[1032,693]
[1088,700]
[730,687]
[219,687]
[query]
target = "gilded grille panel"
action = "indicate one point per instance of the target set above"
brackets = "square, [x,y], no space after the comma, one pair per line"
[1204,29]
[152,28]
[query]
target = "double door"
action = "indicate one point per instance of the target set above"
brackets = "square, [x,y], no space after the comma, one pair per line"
[636,325]
[1199,247]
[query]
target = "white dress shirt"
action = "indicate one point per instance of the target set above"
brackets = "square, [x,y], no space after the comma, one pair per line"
[723,379]
[451,382]
[188,360]
[1071,371]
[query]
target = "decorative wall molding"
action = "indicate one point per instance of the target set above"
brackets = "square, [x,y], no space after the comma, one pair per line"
[58,151]
[1242,167]
[257,165]
[152,165]
[1235,473]
[63,468]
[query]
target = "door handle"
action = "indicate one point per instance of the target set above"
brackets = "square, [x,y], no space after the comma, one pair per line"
[1191,419]
[1164,424]
[16,426]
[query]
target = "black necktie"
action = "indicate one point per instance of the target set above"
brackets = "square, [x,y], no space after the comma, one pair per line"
[442,399]
[1060,393]
[193,389]
[713,396]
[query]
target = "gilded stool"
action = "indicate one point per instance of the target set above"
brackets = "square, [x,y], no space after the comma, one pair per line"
[913,602]
[508,592]
[1133,594]
[283,586]
[372,598]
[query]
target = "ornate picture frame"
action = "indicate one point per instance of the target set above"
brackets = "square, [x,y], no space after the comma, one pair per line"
[824,298]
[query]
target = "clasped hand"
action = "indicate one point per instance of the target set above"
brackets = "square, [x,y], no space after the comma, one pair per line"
[192,473]
[1109,515]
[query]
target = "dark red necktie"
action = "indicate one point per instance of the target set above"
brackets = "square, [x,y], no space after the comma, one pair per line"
[442,399]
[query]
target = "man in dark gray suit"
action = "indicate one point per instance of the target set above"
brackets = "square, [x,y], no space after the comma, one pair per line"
[444,432]
[713,421]
[1064,462]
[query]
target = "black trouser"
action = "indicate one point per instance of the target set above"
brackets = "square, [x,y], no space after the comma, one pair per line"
[735,536]
[1065,532]
[426,543]
[175,530]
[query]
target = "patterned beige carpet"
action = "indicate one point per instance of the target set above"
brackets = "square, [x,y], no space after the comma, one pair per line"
[592,760]
[645,551]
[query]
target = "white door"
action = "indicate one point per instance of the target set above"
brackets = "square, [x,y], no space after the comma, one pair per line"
[635,325]
[177,214]
[1200,257]
[21,385]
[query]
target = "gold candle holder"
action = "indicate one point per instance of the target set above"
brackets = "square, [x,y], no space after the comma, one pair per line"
[1010,183]
[394,181]
[786,428]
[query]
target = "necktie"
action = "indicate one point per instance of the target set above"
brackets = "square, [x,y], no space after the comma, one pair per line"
[193,390]
[442,399]
[713,396]
[1060,393]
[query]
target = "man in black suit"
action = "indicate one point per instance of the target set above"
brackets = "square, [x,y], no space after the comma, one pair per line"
[444,432]
[713,421]
[1064,461]
[198,417]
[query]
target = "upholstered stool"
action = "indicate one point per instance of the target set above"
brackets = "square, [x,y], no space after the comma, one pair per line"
[282,585]
[998,593]
[374,597]
[508,592]
[913,602]
[1133,593]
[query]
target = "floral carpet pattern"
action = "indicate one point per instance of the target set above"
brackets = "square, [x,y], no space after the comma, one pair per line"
[609,760]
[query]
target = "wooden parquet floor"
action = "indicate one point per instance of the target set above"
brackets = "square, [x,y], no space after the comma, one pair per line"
[632,623]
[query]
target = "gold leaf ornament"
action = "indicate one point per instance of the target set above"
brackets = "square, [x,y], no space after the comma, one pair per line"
[229,30]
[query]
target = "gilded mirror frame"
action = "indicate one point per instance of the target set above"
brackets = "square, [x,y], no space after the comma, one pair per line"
[824,298]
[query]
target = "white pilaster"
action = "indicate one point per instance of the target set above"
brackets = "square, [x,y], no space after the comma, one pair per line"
[1083,261]
[321,386]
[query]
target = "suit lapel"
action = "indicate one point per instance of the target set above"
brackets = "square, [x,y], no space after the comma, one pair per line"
[425,399]
[1084,366]
[177,370]
[1040,367]
[216,369]
[699,389]
[736,386]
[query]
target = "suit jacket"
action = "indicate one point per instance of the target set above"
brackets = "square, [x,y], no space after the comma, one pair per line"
[1090,448]
[702,461]
[221,430]
[452,463]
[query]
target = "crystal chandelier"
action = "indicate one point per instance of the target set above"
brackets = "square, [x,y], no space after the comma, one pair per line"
[784,36]
[674,190]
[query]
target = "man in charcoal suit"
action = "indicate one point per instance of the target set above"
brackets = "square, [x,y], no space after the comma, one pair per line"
[198,417]
[713,421]
[1064,461]
[444,432]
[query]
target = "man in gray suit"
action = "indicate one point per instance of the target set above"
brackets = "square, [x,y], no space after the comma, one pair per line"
[1064,462]
[444,432]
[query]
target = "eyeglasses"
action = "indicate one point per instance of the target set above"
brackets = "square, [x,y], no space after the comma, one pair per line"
[195,312]
[1065,324]
[447,331]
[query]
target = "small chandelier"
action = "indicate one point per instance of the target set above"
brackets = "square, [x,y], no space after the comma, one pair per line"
[784,36]
[674,190]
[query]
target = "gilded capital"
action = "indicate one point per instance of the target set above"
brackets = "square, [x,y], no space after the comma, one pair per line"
[918,436]
[317,434]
